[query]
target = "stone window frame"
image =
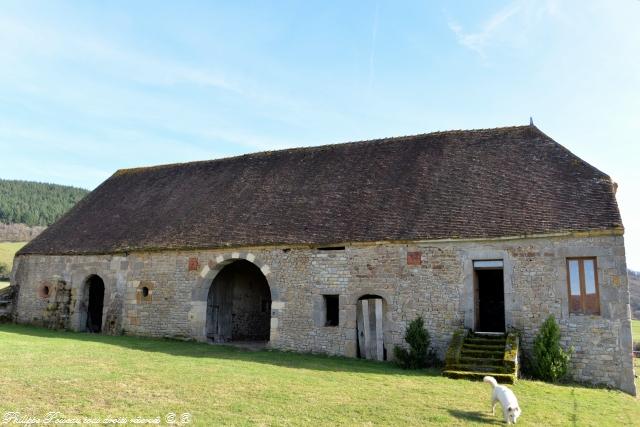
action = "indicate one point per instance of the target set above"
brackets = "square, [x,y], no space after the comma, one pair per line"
[468,302]
[141,298]
[580,249]
[319,310]
[45,290]
[582,283]
[325,306]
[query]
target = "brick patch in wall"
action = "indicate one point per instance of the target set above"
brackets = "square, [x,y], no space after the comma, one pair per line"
[414,258]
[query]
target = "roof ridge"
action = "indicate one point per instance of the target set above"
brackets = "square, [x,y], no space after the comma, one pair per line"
[323,146]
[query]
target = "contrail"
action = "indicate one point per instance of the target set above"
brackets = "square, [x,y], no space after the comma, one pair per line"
[372,54]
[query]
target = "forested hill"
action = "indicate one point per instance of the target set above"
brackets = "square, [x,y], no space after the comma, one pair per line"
[634,291]
[35,203]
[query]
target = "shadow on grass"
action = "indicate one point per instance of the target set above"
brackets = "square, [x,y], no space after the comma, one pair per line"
[180,348]
[474,417]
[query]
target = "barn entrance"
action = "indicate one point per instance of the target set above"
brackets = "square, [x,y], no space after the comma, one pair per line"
[369,328]
[239,305]
[489,296]
[95,287]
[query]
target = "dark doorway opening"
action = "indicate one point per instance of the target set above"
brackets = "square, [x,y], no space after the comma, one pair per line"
[489,300]
[95,286]
[239,304]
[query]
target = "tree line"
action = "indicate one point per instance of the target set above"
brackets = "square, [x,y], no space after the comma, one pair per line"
[35,203]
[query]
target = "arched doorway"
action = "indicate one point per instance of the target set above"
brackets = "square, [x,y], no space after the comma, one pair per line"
[239,304]
[370,311]
[94,286]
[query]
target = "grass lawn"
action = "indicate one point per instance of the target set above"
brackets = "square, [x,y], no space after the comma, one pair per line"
[8,250]
[97,376]
[3,284]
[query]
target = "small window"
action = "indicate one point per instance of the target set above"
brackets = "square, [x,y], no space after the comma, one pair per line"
[332,310]
[144,293]
[582,278]
[44,290]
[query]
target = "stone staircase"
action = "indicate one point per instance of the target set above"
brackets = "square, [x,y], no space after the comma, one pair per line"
[6,301]
[475,355]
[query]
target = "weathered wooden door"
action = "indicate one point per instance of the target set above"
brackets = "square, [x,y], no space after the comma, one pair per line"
[219,309]
[369,328]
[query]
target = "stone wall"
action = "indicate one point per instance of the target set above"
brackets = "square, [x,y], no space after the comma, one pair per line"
[432,279]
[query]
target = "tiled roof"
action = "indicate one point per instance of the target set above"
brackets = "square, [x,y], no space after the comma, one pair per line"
[457,184]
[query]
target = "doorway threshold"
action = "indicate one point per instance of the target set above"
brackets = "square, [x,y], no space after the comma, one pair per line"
[491,334]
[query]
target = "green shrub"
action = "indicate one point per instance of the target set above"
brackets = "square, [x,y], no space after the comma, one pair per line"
[418,356]
[550,360]
[4,270]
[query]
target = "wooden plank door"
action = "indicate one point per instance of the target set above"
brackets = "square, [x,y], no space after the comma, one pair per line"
[370,328]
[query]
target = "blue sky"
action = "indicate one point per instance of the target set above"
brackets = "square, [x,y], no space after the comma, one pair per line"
[90,87]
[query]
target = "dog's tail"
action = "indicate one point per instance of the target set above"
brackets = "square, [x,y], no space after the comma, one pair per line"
[491,381]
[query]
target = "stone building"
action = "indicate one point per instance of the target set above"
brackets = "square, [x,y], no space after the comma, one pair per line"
[491,230]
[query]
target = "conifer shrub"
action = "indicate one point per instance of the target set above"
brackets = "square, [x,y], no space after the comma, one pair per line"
[550,360]
[418,355]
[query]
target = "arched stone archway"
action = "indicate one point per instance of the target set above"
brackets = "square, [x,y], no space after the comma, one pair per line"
[198,315]
[239,304]
[211,270]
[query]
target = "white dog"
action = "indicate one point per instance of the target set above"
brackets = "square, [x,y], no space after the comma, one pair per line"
[507,399]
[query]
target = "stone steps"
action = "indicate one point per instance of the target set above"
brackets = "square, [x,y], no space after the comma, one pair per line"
[478,376]
[482,341]
[488,369]
[484,354]
[481,361]
[483,347]
[474,356]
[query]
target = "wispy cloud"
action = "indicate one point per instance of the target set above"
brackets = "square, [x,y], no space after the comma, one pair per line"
[500,26]
[26,41]
[477,41]
[108,87]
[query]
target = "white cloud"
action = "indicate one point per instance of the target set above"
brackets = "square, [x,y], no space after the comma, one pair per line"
[500,25]
[478,41]
[25,42]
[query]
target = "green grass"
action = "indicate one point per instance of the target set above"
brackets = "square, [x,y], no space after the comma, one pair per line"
[3,284]
[97,376]
[8,250]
